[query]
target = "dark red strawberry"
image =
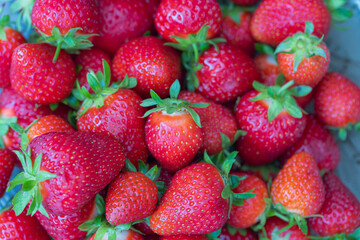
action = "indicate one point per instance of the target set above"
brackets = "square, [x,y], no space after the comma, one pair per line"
[7,163]
[182,18]
[319,142]
[154,65]
[275,20]
[230,233]
[340,211]
[245,2]
[36,78]
[273,227]
[122,20]
[184,237]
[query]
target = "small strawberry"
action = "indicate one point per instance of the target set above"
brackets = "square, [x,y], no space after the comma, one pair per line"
[298,190]
[230,233]
[340,211]
[184,237]
[274,231]
[337,103]
[275,20]
[66,24]
[303,57]
[35,77]
[182,18]
[7,163]
[154,65]
[319,142]
[122,20]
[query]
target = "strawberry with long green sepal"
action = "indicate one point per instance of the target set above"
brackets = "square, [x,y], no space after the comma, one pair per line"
[273,230]
[110,104]
[303,57]
[7,164]
[65,171]
[173,129]
[66,24]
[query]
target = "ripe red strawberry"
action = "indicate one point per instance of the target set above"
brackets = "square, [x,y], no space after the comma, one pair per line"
[122,20]
[121,235]
[215,119]
[254,209]
[303,57]
[226,74]
[36,78]
[245,2]
[235,28]
[114,111]
[182,18]
[58,20]
[154,65]
[49,123]
[9,40]
[298,190]
[20,227]
[340,211]
[230,233]
[272,122]
[319,142]
[268,68]
[70,168]
[274,225]
[337,94]
[7,163]
[275,20]
[184,237]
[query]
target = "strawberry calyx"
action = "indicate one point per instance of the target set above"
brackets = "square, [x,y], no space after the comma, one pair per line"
[100,84]
[265,49]
[4,21]
[265,171]
[302,45]
[173,104]
[274,235]
[280,97]
[232,231]
[24,7]
[337,11]
[23,133]
[5,123]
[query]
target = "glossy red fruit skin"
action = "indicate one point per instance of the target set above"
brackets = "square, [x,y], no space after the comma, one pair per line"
[62,227]
[123,235]
[36,78]
[319,142]
[275,20]
[173,139]
[97,159]
[184,237]
[215,119]
[248,214]
[239,34]
[265,141]
[115,16]
[131,196]
[90,59]
[192,204]
[7,163]
[13,39]
[340,211]
[225,235]
[22,227]
[13,105]
[298,186]
[275,223]
[268,68]
[226,74]
[181,18]
[154,65]
[337,94]
[120,117]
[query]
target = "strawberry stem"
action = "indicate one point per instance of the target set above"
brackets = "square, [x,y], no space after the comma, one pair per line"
[58,49]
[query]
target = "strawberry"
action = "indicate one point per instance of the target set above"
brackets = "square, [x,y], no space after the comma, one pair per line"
[337,102]
[184,237]
[66,24]
[113,104]
[245,2]
[227,72]
[273,230]
[173,129]
[254,208]
[230,233]
[340,211]
[36,78]
[67,167]
[275,20]
[303,57]
[294,198]
[132,195]
[20,227]
[319,142]
[272,120]
[182,18]
[215,121]
[115,16]
[157,72]
[49,123]
[121,235]
[7,163]
[9,40]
